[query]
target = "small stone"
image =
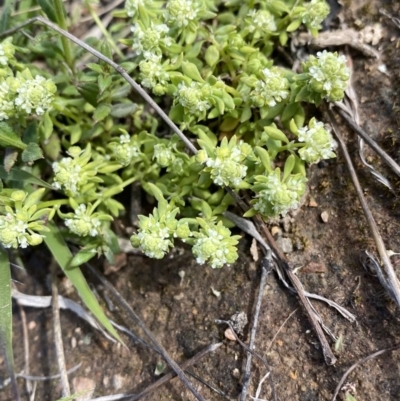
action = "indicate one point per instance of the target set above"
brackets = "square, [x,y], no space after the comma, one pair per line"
[83,385]
[236,373]
[254,250]
[276,231]
[106,381]
[118,382]
[312,203]
[179,297]
[31,325]
[285,244]
[239,321]
[229,335]
[73,342]
[325,216]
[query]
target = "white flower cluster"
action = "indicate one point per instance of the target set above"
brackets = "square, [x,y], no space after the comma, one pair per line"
[132,6]
[125,150]
[152,73]
[7,51]
[227,168]
[316,11]
[68,175]
[261,21]
[319,142]
[14,234]
[163,155]
[34,95]
[329,74]
[179,13]
[148,40]
[6,101]
[279,197]
[271,89]
[154,240]
[193,97]
[215,245]
[82,224]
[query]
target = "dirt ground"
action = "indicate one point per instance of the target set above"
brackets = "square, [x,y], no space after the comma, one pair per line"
[181,311]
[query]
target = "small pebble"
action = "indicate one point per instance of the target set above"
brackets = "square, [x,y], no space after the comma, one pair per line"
[73,342]
[285,244]
[312,203]
[85,386]
[325,216]
[106,381]
[229,335]
[180,296]
[118,382]
[276,231]
[236,373]
[31,325]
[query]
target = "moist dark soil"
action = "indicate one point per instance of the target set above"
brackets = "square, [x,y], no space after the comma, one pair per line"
[180,308]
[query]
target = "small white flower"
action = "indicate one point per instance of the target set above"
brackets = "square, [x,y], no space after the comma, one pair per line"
[148,40]
[35,95]
[154,240]
[68,175]
[82,224]
[6,104]
[3,57]
[163,154]
[272,89]
[180,12]
[13,232]
[261,20]
[193,97]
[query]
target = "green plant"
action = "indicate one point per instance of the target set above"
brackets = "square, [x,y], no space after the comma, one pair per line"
[76,127]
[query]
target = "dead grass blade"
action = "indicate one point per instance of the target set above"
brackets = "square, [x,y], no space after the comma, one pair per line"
[368,358]
[266,268]
[391,275]
[163,352]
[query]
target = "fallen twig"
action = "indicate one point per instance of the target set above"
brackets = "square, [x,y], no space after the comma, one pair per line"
[392,278]
[66,392]
[374,146]
[266,268]
[369,357]
[179,372]
[28,385]
[171,375]
[251,351]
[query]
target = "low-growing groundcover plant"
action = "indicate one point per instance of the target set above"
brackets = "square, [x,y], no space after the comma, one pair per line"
[73,137]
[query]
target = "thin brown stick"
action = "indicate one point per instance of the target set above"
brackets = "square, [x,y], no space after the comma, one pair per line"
[266,268]
[280,329]
[179,372]
[392,278]
[374,146]
[368,358]
[171,375]
[66,392]
[28,384]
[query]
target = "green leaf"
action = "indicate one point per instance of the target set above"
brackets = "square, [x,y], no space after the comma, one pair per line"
[5,17]
[61,253]
[276,133]
[32,153]
[212,55]
[121,92]
[104,82]
[48,8]
[9,139]
[6,308]
[102,111]
[289,165]
[264,156]
[121,110]
[191,71]
[294,25]
[83,256]
[17,174]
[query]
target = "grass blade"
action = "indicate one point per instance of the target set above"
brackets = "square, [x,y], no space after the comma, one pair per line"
[6,318]
[61,253]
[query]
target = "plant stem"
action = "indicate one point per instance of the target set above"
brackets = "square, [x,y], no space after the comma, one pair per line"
[62,22]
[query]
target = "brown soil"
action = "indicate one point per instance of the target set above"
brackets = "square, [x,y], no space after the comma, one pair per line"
[181,312]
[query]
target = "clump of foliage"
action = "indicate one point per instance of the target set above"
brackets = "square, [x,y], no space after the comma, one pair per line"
[75,130]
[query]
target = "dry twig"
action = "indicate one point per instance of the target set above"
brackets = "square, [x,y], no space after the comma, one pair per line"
[66,392]
[368,358]
[391,275]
